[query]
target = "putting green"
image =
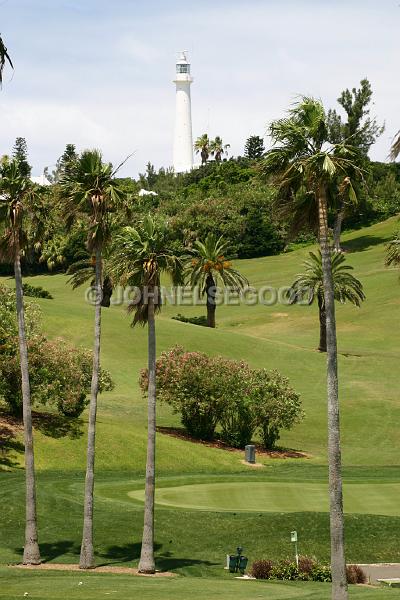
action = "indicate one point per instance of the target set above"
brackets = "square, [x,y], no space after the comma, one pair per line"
[368,498]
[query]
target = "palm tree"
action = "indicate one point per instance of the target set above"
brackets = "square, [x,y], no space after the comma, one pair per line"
[207,266]
[309,285]
[218,148]
[91,190]
[15,193]
[202,147]
[395,149]
[303,165]
[139,258]
[4,57]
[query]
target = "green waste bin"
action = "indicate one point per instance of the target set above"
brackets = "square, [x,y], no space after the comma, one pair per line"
[233,563]
[243,564]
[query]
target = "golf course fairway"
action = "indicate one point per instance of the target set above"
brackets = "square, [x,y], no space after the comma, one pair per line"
[361,498]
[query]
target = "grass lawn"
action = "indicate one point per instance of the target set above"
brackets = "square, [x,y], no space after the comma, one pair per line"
[91,586]
[257,496]
[88,586]
[256,508]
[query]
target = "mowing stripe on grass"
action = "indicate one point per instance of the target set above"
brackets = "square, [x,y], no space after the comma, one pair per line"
[380,499]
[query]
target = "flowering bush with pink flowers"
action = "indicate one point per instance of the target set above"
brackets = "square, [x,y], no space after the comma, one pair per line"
[216,393]
[60,374]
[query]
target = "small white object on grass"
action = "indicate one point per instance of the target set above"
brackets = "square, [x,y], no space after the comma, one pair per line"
[80,583]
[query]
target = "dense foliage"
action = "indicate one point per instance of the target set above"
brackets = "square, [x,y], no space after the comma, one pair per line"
[60,373]
[229,198]
[209,392]
[308,569]
[35,291]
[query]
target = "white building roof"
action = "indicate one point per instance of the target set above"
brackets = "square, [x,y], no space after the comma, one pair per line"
[40,180]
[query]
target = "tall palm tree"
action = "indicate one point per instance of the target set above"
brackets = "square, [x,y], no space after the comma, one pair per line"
[395,149]
[218,148]
[309,285]
[207,266]
[303,166]
[15,193]
[202,147]
[139,258]
[90,190]
[4,58]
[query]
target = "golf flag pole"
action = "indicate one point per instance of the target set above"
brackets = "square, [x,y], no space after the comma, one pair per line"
[293,539]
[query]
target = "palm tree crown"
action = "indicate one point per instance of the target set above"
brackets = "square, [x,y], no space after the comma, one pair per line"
[202,147]
[302,160]
[208,258]
[15,192]
[90,188]
[218,148]
[206,267]
[140,255]
[309,284]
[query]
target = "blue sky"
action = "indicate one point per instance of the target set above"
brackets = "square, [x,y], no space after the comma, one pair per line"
[99,73]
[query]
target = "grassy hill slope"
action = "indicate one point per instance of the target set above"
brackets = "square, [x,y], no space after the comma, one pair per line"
[280,337]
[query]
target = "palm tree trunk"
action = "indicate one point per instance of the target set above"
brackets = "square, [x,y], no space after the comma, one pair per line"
[146,563]
[337,229]
[322,325]
[31,547]
[211,306]
[338,563]
[87,553]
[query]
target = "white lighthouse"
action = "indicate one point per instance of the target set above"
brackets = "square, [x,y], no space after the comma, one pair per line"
[183,141]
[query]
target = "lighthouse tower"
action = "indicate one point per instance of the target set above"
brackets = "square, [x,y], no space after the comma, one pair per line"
[183,142]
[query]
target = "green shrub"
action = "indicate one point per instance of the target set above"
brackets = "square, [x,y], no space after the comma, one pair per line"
[286,570]
[242,214]
[308,570]
[276,405]
[262,569]
[321,573]
[35,291]
[210,391]
[189,383]
[201,320]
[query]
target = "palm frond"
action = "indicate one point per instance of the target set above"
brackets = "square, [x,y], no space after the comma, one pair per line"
[309,284]
[4,58]
[393,252]
[395,149]
[16,192]
[208,258]
[138,258]
[302,159]
[90,191]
